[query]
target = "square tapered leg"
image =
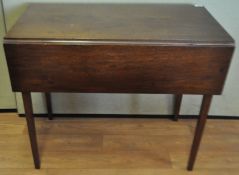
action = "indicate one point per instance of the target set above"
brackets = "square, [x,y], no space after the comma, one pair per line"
[177,105]
[199,130]
[31,127]
[49,106]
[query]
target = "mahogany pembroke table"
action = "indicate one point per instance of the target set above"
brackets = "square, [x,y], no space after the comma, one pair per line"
[118,48]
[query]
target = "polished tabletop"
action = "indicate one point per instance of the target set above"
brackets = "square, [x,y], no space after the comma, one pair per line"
[155,23]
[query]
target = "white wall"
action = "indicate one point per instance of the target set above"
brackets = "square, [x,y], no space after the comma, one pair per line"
[7,97]
[226,12]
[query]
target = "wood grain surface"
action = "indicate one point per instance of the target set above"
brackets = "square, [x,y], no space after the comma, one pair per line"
[117,69]
[160,23]
[112,48]
[109,146]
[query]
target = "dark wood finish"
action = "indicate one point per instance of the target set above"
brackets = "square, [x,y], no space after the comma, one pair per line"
[31,127]
[158,23]
[49,105]
[177,105]
[157,48]
[199,130]
[118,68]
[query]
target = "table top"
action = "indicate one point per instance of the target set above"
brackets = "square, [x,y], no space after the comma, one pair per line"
[119,23]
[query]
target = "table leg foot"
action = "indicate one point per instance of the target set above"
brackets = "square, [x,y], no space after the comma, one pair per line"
[199,130]
[31,127]
[177,105]
[49,106]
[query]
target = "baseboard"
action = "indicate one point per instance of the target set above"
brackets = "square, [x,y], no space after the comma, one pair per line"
[134,116]
[8,110]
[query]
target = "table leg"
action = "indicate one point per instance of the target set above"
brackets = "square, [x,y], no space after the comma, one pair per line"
[49,106]
[199,130]
[177,105]
[31,127]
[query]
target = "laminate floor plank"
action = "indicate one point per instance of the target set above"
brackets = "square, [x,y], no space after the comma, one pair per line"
[113,127]
[111,146]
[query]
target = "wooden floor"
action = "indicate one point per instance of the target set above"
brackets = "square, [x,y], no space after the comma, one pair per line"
[117,146]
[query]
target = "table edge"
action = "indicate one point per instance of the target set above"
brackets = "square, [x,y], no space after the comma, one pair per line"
[118,42]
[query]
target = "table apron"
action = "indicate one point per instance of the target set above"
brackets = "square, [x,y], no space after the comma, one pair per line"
[118,68]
